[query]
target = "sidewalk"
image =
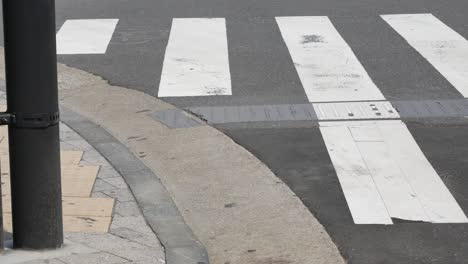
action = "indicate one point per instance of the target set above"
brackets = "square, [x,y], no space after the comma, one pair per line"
[102,221]
[237,208]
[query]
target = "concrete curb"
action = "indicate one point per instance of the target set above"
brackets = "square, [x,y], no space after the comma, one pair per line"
[181,246]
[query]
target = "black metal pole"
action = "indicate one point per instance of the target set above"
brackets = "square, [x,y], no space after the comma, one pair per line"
[32,99]
[1,215]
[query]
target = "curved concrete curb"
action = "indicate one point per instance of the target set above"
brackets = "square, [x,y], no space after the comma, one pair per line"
[181,246]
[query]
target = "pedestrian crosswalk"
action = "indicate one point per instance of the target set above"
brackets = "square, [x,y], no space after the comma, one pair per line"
[382,170]
[197,63]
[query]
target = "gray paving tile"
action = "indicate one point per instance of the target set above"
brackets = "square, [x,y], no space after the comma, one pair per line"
[94,157]
[65,128]
[99,194]
[147,255]
[100,185]
[127,208]
[93,258]
[43,261]
[135,223]
[66,136]
[118,246]
[150,241]
[107,172]
[67,146]
[117,182]
[104,241]
[122,195]
[80,144]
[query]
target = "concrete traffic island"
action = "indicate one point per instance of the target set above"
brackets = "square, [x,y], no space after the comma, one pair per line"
[227,199]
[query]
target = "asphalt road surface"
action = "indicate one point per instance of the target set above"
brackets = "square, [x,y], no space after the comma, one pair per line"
[391,188]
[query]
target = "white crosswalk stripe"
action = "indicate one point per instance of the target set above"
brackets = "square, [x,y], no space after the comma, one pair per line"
[328,69]
[363,198]
[85,36]
[444,48]
[196,61]
[381,169]
[385,175]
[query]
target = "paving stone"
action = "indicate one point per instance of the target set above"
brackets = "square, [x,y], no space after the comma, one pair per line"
[88,224]
[87,206]
[70,157]
[46,256]
[66,136]
[108,166]
[147,255]
[65,128]
[69,133]
[150,241]
[158,261]
[67,146]
[106,172]
[127,208]
[80,144]
[116,245]
[122,195]
[136,223]
[94,157]
[93,258]
[78,181]
[87,163]
[99,194]
[44,261]
[100,185]
[117,182]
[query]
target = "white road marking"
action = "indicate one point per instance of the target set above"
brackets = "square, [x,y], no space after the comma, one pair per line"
[444,48]
[328,69]
[436,199]
[362,196]
[397,194]
[196,61]
[379,162]
[85,36]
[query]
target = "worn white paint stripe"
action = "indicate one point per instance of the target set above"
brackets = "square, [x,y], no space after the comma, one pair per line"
[396,192]
[444,48]
[362,196]
[406,182]
[328,69]
[85,36]
[196,61]
[436,199]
